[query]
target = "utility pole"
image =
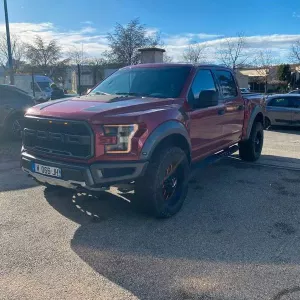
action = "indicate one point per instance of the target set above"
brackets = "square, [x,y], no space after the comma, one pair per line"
[79,79]
[10,61]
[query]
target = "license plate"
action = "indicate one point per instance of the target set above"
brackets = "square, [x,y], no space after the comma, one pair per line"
[46,170]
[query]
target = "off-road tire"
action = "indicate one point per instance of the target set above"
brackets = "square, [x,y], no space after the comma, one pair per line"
[150,190]
[250,150]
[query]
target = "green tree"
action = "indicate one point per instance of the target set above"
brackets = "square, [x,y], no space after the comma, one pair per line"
[284,73]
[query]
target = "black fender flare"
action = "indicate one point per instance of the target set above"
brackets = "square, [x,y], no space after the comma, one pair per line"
[161,132]
[254,114]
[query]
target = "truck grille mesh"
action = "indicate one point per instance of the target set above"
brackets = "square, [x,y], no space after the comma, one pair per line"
[58,137]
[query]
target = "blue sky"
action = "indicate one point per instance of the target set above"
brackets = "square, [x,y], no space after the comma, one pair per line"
[269,24]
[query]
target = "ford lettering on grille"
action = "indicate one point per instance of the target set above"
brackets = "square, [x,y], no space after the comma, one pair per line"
[73,139]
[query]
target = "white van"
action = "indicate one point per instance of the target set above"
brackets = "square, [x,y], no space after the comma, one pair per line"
[42,90]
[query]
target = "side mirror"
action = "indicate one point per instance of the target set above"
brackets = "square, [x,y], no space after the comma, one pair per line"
[207,98]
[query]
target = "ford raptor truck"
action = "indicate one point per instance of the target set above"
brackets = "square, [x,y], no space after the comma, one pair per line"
[143,127]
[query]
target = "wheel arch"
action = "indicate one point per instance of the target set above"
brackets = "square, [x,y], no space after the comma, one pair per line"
[256,116]
[171,133]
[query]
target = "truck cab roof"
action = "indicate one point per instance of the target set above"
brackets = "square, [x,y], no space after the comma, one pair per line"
[159,65]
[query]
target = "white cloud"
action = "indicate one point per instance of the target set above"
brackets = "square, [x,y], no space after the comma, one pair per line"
[95,42]
[188,38]
[279,44]
[87,22]
[295,15]
[88,29]
[152,32]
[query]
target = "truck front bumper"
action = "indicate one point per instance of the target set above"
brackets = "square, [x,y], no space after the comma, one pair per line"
[97,176]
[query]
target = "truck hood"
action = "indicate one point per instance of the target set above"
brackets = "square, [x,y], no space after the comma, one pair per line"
[91,108]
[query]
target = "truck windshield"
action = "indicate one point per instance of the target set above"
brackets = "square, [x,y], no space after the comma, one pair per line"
[44,86]
[160,82]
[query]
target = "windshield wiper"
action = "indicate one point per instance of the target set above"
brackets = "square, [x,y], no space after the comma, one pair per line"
[98,93]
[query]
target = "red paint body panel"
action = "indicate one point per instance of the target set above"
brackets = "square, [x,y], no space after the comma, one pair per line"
[208,130]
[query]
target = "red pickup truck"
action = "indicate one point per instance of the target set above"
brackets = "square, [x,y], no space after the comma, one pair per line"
[143,128]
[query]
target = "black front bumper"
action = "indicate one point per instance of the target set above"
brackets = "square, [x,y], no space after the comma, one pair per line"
[91,177]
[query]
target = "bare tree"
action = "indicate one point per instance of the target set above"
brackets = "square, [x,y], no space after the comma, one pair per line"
[232,52]
[195,53]
[43,55]
[295,52]
[18,51]
[265,61]
[167,58]
[125,41]
[77,55]
[97,66]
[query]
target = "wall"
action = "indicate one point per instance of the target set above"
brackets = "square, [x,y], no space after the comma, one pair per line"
[243,80]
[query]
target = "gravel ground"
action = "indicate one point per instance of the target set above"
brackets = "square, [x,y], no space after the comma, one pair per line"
[236,238]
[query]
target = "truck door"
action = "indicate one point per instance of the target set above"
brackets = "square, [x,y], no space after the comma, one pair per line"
[234,106]
[280,110]
[206,129]
[296,111]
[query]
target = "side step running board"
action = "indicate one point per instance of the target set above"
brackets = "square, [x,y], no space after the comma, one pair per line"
[215,157]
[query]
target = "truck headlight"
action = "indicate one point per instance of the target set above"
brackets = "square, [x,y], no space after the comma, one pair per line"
[121,136]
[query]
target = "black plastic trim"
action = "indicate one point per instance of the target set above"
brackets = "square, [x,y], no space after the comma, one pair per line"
[254,114]
[86,124]
[89,174]
[162,131]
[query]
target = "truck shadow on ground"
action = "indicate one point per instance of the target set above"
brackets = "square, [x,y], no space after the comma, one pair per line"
[231,241]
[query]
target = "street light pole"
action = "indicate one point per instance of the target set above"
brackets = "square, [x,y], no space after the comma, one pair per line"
[10,61]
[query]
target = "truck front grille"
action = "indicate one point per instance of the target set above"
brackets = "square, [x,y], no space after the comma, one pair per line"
[58,137]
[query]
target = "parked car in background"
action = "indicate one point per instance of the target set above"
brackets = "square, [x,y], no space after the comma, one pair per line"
[295,92]
[13,104]
[283,110]
[42,90]
[56,92]
[244,90]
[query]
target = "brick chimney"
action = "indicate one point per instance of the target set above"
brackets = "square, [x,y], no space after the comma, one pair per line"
[152,55]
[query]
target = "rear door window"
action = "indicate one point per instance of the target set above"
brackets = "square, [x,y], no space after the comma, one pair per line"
[227,84]
[281,102]
[296,102]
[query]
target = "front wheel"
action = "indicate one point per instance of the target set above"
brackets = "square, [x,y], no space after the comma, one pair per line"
[250,150]
[163,189]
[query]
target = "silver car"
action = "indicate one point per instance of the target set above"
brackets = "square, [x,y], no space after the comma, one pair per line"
[295,92]
[283,110]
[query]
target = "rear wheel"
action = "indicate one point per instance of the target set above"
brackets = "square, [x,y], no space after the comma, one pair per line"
[250,150]
[163,189]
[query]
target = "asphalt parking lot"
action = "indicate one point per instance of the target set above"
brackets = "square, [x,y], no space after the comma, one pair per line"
[236,238]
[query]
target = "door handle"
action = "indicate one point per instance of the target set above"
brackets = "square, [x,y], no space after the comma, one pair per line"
[221,111]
